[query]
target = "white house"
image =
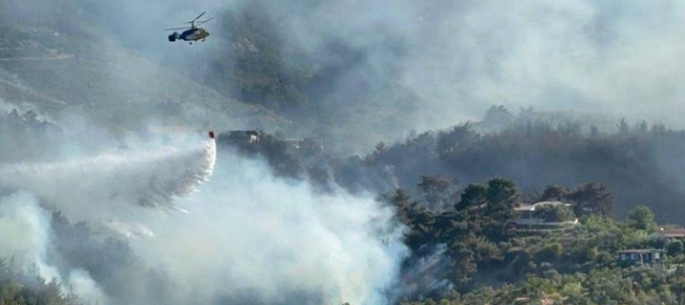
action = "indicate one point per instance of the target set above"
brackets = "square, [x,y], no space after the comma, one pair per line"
[525,215]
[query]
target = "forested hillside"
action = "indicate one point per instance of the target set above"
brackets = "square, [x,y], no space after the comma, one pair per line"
[20,289]
[620,185]
[463,249]
[637,162]
[470,257]
[351,160]
[639,165]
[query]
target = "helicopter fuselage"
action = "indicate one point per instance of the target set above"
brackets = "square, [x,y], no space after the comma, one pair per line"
[194,34]
[190,35]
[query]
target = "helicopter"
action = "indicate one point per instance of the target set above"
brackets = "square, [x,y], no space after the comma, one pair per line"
[191,34]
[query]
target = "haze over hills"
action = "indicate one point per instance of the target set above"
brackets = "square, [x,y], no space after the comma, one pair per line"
[353,77]
[359,180]
[68,64]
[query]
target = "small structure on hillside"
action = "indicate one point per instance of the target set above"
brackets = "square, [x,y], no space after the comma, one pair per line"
[244,136]
[641,256]
[538,215]
[668,234]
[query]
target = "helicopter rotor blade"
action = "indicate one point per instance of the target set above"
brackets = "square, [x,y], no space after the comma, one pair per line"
[175,29]
[203,21]
[198,17]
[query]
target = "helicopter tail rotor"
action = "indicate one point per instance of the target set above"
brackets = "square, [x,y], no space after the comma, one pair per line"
[173,37]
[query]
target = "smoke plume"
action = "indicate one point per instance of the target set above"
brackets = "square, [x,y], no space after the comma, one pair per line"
[27,238]
[245,236]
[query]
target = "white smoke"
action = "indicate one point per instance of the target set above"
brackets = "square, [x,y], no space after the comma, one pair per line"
[250,232]
[80,283]
[26,236]
[428,273]
[25,232]
[245,237]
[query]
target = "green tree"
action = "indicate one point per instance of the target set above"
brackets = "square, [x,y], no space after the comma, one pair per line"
[400,198]
[592,198]
[554,213]
[641,218]
[502,198]
[551,252]
[473,196]
[554,192]
[458,138]
[676,247]
[642,127]
[498,116]
[436,190]
[623,127]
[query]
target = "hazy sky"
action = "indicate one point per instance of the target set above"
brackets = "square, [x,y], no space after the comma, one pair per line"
[461,57]
[458,58]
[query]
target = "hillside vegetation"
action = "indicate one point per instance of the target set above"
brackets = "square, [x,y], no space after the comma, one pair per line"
[638,163]
[456,190]
[62,61]
[620,185]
